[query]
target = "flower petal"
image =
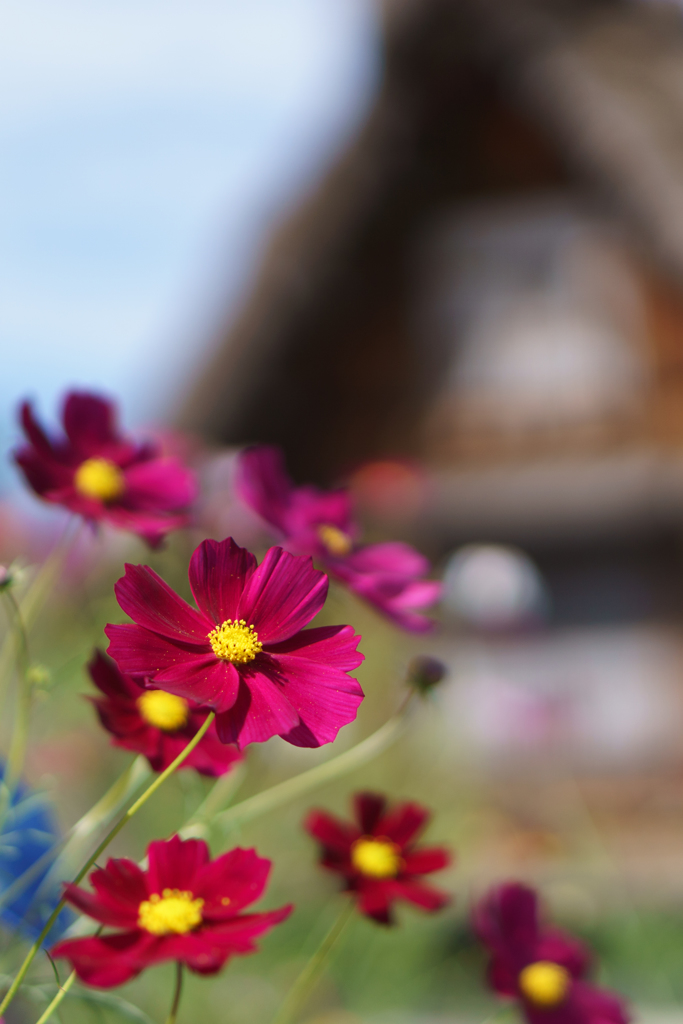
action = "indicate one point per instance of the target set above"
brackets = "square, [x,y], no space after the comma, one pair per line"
[35,433]
[314,666]
[109,680]
[207,949]
[159,484]
[507,922]
[369,809]
[392,557]
[282,595]
[151,603]
[262,483]
[108,960]
[565,950]
[208,681]
[335,835]
[231,882]
[237,934]
[375,897]
[140,652]
[502,977]
[424,896]
[424,861]
[598,1005]
[210,757]
[403,823]
[218,574]
[121,884]
[175,863]
[261,710]
[322,645]
[89,422]
[151,526]
[89,903]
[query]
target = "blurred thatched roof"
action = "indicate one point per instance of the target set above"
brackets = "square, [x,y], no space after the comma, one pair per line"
[478,97]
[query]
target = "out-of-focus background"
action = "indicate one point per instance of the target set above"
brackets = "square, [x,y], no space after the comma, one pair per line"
[434,249]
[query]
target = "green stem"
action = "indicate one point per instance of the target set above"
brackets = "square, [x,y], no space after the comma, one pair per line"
[62,991]
[176,995]
[298,994]
[198,824]
[279,794]
[125,818]
[17,750]
[33,599]
[23,656]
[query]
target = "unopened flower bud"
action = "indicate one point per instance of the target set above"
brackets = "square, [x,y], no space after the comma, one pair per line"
[425,672]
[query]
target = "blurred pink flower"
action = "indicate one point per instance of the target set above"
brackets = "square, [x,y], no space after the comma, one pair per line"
[389,576]
[96,472]
[541,968]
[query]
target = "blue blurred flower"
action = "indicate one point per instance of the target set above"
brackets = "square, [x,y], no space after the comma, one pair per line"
[29,841]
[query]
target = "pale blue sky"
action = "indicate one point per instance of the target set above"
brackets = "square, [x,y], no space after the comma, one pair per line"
[146,147]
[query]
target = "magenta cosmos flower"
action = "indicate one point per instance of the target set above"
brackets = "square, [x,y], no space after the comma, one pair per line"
[185,907]
[311,522]
[244,653]
[377,856]
[156,724]
[99,474]
[542,968]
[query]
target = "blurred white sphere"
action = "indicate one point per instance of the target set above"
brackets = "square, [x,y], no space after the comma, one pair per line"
[493,586]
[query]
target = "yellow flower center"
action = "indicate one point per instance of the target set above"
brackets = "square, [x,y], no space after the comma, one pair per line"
[172,913]
[378,858]
[235,641]
[100,479]
[163,710]
[544,983]
[335,540]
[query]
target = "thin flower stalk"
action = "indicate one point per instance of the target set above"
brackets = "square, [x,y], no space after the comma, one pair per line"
[299,785]
[296,998]
[32,601]
[61,993]
[132,810]
[171,1019]
[17,750]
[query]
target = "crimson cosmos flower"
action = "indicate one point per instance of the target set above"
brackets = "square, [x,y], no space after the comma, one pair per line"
[377,856]
[184,907]
[156,724]
[99,474]
[244,653]
[388,576]
[540,967]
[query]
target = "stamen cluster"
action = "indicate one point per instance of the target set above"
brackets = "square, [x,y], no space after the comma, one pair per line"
[174,912]
[235,641]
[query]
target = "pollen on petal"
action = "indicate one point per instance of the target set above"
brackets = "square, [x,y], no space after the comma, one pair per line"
[335,540]
[100,479]
[544,983]
[164,711]
[235,641]
[173,913]
[377,858]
